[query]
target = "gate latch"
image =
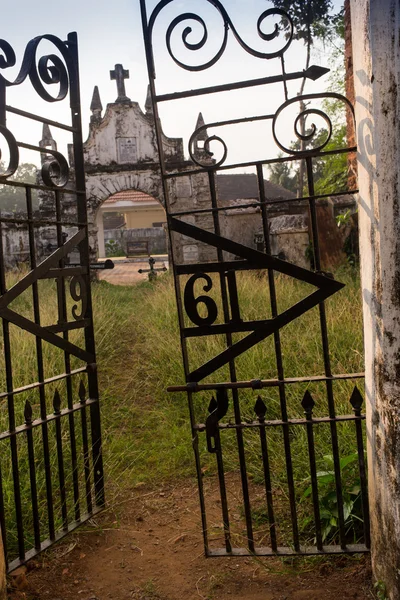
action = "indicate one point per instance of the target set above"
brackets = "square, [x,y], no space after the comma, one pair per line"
[217,409]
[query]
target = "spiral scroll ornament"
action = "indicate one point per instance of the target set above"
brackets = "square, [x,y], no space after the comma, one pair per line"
[311,130]
[13,153]
[206,158]
[187,33]
[49,69]
[55,171]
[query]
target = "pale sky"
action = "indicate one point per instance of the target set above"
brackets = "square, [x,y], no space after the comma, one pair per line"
[110,33]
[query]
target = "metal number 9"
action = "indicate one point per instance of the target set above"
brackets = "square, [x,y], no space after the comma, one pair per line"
[77,288]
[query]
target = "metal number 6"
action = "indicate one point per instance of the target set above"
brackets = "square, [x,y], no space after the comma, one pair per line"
[192,303]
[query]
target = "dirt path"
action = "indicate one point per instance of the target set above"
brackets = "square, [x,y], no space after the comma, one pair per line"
[152,550]
[127,273]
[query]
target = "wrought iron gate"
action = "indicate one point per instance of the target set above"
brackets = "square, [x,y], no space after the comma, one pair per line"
[51,477]
[219,312]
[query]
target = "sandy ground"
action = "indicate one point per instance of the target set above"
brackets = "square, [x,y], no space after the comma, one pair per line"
[152,550]
[126,273]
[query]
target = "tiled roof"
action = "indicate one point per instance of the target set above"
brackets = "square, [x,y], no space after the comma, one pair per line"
[230,188]
[130,196]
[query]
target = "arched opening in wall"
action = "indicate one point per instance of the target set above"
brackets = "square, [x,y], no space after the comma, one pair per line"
[131,223]
[131,229]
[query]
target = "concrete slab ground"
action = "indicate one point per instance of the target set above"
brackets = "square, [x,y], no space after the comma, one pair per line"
[125,271]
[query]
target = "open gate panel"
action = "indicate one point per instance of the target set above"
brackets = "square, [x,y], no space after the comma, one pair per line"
[226,411]
[51,472]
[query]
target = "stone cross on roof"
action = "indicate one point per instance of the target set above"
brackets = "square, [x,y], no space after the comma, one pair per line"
[120,74]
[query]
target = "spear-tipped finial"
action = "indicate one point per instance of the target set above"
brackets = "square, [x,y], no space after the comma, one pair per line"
[96,102]
[96,106]
[46,133]
[82,392]
[200,123]
[201,137]
[47,141]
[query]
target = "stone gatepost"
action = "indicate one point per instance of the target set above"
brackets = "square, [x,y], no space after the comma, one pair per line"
[376,56]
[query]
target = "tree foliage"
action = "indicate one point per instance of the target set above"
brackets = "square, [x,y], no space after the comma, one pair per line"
[12,198]
[313,20]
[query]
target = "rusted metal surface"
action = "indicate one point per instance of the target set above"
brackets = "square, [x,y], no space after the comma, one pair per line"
[202,315]
[43,432]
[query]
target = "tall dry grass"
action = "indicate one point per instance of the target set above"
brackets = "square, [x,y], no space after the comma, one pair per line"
[146,430]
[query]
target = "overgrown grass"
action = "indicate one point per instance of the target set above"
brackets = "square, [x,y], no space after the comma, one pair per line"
[146,431]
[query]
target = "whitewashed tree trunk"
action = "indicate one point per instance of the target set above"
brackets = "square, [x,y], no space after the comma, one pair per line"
[376,59]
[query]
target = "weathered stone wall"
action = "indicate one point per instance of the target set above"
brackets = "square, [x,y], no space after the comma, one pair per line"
[290,239]
[155,236]
[109,170]
[241,226]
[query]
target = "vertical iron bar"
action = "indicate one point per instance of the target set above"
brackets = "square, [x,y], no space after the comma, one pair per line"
[85,260]
[308,405]
[2,518]
[62,306]
[279,364]
[363,482]
[233,296]
[361,465]
[60,460]
[232,370]
[267,472]
[32,475]
[85,446]
[178,295]
[39,357]
[222,488]
[11,411]
[327,362]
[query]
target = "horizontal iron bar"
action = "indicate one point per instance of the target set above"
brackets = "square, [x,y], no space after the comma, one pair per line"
[48,543]
[238,85]
[38,384]
[268,161]
[231,327]
[68,326]
[66,271]
[39,222]
[53,417]
[46,188]
[287,551]
[236,265]
[259,384]
[23,113]
[258,203]
[279,423]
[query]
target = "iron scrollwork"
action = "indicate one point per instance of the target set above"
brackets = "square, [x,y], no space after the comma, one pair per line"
[55,172]
[13,151]
[205,159]
[311,133]
[228,25]
[49,69]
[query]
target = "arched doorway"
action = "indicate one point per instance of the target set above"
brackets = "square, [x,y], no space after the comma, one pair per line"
[132,221]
